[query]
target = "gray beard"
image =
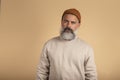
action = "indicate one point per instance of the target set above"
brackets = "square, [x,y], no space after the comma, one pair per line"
[67,34]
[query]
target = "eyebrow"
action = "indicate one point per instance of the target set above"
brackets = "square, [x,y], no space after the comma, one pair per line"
[70,21]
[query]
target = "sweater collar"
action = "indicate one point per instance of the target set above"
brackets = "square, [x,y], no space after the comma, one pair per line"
[68,40]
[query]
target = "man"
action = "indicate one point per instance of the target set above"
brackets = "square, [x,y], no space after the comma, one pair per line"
[67,57]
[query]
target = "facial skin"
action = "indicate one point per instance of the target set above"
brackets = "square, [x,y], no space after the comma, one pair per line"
[70,24]
[70,21]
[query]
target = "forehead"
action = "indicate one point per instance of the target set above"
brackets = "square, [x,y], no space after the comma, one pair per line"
[70,17]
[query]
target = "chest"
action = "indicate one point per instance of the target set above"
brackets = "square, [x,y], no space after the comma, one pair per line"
[67,54]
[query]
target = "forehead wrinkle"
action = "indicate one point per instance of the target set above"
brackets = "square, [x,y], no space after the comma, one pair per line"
[72,18]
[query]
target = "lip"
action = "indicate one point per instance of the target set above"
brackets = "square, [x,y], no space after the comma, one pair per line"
[67,29]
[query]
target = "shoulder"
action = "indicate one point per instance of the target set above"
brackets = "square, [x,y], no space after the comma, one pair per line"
[87,48]
[51,41]
[84,43]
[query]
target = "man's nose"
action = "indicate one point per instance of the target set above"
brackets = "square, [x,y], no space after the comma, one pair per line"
[69,25]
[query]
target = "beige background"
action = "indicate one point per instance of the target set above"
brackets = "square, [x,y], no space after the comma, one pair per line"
[27,24]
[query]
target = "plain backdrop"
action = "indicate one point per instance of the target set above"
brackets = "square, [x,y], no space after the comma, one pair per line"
[25,25]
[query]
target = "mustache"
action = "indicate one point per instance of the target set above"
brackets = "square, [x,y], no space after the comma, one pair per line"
[67,34]
[67,29]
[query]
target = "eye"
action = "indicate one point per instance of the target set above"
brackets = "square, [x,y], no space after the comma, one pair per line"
[65,21]
[73,22]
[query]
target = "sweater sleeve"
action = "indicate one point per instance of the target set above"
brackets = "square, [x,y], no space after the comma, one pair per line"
[43,66]
[90,67]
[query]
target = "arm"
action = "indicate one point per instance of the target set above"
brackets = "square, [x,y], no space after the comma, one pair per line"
[43,67]
[90,67]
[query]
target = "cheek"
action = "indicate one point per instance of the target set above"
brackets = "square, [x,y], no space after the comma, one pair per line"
[63,25]
[74,27]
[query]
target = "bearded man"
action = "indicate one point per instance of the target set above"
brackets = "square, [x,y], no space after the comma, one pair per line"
[67,57]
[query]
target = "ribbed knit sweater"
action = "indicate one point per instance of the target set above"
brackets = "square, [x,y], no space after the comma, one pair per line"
[66,60]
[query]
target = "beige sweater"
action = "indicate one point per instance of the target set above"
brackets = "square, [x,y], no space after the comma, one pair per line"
[66,60]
